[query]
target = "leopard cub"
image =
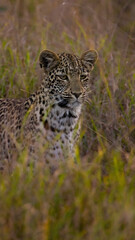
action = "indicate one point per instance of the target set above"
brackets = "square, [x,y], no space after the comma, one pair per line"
[45,123]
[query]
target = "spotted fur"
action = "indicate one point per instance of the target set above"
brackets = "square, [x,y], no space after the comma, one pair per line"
[46,121]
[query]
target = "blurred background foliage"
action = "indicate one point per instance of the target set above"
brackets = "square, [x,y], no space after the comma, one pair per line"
[94,198]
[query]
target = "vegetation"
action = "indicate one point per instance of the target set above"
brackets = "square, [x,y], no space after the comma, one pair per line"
[95,197]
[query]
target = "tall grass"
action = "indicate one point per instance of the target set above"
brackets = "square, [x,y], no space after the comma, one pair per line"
[94,197]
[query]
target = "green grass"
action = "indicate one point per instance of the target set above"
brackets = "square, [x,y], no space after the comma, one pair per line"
[93,198]
[77,202]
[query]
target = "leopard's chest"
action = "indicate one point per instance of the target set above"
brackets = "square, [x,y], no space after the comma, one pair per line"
[60,145]
[58,129]
[63,119]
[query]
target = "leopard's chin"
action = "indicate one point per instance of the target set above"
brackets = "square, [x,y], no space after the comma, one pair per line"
[76,103]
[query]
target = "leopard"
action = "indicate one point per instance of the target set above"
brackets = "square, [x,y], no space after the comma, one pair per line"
[48,122]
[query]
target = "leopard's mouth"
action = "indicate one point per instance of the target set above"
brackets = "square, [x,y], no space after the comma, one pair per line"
[63,103]
[66,103]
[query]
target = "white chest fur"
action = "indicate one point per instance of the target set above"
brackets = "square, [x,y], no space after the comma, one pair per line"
[58,131]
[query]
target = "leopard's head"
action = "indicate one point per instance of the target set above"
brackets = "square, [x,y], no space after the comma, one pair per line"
[67,76]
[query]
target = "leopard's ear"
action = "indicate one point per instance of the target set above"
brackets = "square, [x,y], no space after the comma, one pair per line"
[48,60]
[90,57]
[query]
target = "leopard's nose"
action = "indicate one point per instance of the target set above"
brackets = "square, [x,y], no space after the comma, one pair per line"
[76,94]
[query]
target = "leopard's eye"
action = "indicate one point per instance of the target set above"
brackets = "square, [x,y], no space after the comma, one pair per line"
[83,77]
[63,77]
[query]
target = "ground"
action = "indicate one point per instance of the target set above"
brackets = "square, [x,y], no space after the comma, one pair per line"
[94,197]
